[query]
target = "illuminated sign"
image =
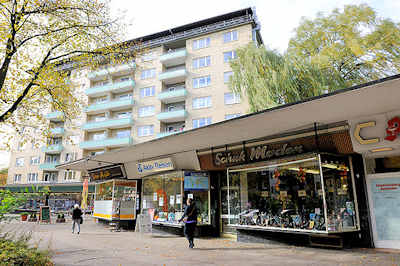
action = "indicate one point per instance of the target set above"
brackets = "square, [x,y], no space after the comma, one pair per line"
[109,172]
[196,181]
[155,166]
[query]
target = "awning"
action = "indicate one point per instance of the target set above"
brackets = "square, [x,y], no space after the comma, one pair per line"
[370,98]
[53,188]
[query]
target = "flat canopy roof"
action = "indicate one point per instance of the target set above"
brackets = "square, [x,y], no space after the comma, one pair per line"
[371,98]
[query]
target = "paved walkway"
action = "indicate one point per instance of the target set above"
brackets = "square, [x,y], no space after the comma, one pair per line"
[96,245]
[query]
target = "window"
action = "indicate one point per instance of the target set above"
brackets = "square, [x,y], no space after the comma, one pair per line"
[123,133]
[148,73]
[35,160]
[147,92]
[71,156]
[50,177]
[146,111]
[228,56]
[201,82]
[231,98]
[19,162]
[69,175]
[201,62]
[126,114]
[17,178]
[21,146]
[124,79]
[147,57]
[32,177]
[101,99]
[201,122]
[227,76]
[201,43]
[100,118]
[202,102]
[125,96]
[94,153]
[145,131]
[74,140]
[230,116]
[103,83]
[52,159]
[99,136]
[230,36]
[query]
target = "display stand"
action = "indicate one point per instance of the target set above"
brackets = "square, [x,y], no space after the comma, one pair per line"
[44,214]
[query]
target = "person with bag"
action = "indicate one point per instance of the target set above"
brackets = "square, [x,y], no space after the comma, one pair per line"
[76,218]
[190,219]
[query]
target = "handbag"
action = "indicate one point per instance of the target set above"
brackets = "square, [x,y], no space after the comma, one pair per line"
[81,220]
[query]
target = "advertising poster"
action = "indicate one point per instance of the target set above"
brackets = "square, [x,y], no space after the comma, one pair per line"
[172,200]
[178,199]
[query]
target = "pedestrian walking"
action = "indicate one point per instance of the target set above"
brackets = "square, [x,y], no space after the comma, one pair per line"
[190,219]
[76,218]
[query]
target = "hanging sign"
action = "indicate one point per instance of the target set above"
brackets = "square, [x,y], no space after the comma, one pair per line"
[109,172]
[165,164]
[196,181]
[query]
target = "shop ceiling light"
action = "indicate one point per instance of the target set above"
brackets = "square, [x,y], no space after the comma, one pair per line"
[382,149]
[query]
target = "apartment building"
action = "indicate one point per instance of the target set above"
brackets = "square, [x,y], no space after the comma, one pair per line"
[178,82]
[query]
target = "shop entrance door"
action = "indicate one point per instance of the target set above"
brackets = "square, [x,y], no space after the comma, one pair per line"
[384,202]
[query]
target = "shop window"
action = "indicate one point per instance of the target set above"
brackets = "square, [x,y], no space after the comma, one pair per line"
[290,196]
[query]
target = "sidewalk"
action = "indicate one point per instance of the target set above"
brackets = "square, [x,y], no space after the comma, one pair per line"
[96,245]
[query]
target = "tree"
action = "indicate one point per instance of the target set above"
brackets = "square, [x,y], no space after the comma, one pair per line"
[9,202]
[354,41]
[38,39]
[269,78]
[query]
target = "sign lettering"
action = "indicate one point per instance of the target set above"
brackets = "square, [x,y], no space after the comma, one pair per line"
[107,173]
[360,139]
[393,129]
[155,166]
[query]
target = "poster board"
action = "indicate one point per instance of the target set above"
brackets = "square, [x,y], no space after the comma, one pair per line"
[44,214]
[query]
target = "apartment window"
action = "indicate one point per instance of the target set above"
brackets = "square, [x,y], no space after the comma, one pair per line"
[69,175]
[32,177]
[201,122]
[125,96]
[52,159]
[201,43]
[17,178]
[100,118]
[103,83]
[145,131]
[230,36]
[21,146]
[35,160]
[123,133]
[147,57]
[101,99]
[49,177]
[126,114]
[231,98]
[19,161]
[70,156]
[147,92]
[231,116]
[124,79]
[201,62]
[228,56]
[227,76]
[94,153]
[202,102]
[148,73]
[99,136]
[74,140]
[201,82]
[146,111]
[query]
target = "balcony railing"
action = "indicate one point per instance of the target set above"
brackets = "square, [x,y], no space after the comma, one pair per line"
[109,105]
[174,75]
[177,95]
[115,87]
[168,133]
[110,123]
[119,69]
[174,57]
[172,116]
[49,166]
[55,116]
[53,149]
[57,131]
[110,142]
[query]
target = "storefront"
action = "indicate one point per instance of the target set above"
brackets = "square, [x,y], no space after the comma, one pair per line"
[377,138]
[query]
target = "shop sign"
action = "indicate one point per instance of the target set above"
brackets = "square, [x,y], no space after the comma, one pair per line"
[257,153]
[155,166]
[196,181]
[109,172]
[393,129]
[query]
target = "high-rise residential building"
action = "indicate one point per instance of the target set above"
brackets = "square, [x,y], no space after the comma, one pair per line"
[178,82]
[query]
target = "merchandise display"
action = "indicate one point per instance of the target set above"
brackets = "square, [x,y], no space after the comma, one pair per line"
[291,195]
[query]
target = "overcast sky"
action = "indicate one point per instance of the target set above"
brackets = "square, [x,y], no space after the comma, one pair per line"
[278,18]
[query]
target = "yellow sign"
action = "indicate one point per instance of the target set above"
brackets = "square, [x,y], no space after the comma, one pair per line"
[360,139]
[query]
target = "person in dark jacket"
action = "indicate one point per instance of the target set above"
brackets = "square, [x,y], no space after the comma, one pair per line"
[76,218]
[190,219]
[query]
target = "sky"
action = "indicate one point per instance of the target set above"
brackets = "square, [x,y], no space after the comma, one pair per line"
[278,19]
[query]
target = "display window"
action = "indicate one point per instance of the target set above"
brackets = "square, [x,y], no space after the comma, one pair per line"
[309,194]
[164,196]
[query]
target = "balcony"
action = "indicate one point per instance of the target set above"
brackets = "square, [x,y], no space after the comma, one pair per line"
[172,116]
[122,86]
[110,123]
[109,105]
[174,57]
[53,149]
[111,142]
[122,69]
[58,131]
[172,76]
[168,133]
[55,116]
[98,75]
[173,96]
[49,166]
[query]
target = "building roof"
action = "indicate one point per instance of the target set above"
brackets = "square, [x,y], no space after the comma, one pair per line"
[378,96]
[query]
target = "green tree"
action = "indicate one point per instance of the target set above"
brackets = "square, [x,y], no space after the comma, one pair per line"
[40,41]
[354,42]
[269,78]
[9,202]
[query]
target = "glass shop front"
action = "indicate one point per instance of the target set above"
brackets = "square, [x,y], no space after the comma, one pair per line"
[311,193]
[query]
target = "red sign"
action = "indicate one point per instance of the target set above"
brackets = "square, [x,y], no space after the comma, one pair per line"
[393,129]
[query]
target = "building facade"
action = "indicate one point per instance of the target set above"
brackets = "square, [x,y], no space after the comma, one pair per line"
[178,82]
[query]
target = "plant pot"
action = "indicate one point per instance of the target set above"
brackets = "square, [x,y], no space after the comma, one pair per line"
[24,217]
